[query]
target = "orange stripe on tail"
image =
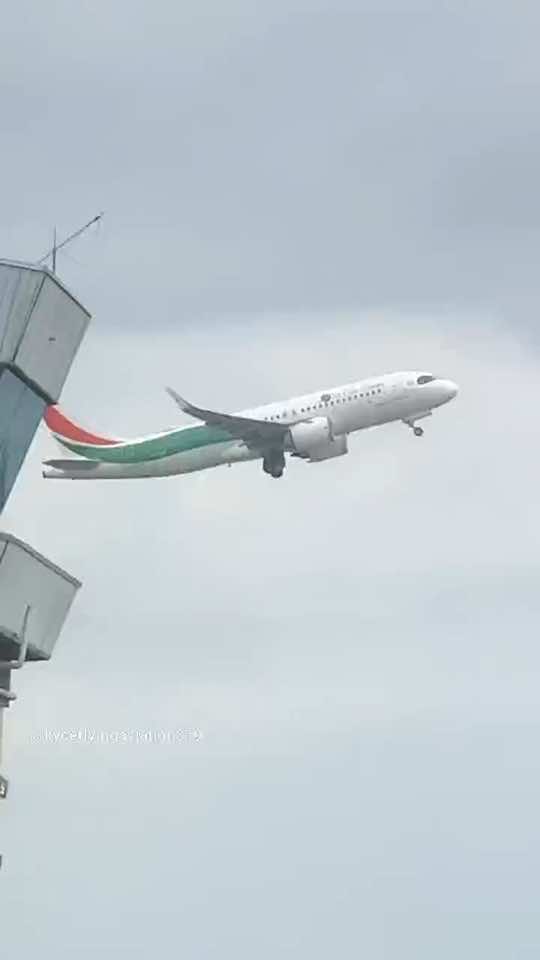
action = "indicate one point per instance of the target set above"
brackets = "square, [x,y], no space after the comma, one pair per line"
[60,425]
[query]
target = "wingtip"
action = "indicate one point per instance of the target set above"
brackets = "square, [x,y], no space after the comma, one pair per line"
[183,404]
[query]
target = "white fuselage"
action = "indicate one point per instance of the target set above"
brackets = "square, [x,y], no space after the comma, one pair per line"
[351,407]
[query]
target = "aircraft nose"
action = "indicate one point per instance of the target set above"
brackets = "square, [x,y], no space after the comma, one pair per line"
[451,389]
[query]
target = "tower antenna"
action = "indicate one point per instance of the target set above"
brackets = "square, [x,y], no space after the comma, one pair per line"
[51,254]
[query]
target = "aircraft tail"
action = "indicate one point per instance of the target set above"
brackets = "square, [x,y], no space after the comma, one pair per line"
[87,450]
[67,432]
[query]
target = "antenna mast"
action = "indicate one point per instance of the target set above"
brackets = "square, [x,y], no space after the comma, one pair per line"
[73,236]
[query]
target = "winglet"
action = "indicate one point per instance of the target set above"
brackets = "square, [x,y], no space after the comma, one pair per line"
[185,406]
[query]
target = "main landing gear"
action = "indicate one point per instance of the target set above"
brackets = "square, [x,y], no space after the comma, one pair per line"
[274,463]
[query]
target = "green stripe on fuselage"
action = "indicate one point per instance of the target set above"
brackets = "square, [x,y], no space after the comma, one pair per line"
[154,448]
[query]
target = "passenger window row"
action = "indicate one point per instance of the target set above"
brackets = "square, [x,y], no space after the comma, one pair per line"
[328,403]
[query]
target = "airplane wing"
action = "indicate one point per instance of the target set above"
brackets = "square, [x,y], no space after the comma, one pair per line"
[254,433]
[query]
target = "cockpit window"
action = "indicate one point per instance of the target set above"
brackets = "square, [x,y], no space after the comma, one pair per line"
[425,378]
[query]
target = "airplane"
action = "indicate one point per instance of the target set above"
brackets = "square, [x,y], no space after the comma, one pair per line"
[313,427]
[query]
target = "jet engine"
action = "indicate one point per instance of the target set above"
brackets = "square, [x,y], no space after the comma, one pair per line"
[332,448]
[313,440]
[309,434]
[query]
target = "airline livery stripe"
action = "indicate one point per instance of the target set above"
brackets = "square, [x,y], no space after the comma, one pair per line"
[64,428]
[155,448]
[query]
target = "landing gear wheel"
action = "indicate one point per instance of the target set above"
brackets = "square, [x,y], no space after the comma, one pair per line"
[418,431]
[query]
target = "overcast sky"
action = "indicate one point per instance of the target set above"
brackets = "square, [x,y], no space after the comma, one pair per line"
[346,661]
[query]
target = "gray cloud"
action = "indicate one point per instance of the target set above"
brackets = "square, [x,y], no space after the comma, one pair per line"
[293,156]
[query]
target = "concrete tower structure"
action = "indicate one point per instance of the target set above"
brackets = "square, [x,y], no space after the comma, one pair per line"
[41,328]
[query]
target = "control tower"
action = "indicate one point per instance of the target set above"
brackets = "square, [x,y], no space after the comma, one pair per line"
[41,327]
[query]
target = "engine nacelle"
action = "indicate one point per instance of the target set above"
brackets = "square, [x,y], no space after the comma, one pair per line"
[333,448]
[308,435]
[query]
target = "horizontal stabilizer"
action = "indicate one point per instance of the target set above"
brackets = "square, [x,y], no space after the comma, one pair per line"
[72,466]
